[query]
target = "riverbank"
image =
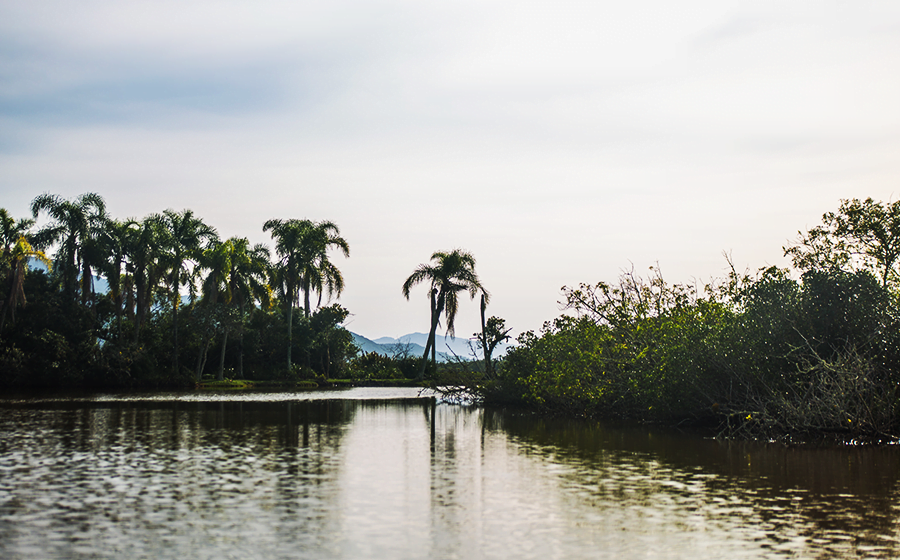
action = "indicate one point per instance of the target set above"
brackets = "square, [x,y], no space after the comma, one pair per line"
[240,384]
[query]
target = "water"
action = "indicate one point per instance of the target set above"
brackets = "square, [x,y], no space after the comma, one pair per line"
[382,474]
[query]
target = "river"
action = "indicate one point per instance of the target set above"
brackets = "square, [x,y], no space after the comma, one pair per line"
[381,473]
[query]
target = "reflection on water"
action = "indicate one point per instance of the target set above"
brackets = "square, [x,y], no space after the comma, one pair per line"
[363,477]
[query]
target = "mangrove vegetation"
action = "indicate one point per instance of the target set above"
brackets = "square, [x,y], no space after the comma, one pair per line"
[796,352]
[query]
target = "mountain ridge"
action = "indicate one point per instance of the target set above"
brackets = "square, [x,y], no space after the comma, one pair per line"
[413,344]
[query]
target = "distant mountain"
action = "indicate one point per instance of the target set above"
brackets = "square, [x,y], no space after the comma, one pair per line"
[414,345]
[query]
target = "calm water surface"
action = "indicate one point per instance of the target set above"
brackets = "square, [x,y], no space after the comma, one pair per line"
[378,473]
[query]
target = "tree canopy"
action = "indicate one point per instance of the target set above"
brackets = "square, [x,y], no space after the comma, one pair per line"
[861,234]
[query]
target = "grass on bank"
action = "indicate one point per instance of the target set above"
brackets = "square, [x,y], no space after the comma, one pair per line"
[245,384]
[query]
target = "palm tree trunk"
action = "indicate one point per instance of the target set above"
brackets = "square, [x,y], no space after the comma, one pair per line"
[290,325]
[175,340]
[141,281]
[17,277]
[432,330]
[241,345]
[197,371]
[86,278]
[201,359]
[429,345]
[175,323]
[306,297]
[128,289]
[484,343]
[221,375]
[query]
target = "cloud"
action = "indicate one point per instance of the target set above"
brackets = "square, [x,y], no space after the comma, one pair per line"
[556,140]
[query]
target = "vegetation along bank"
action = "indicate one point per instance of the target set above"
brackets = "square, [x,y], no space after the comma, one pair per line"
[795,352]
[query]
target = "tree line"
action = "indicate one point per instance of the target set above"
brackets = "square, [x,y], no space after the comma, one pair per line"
[174,291]
[180,302]
[781,352]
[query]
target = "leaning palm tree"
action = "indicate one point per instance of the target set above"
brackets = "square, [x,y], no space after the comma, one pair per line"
[75,223]
[185,236]
[448,274]
[302,246]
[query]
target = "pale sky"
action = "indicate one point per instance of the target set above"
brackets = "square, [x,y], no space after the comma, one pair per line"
[560,142]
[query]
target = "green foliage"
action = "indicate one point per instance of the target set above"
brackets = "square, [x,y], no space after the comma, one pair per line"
[51,342]
[371,365]
[765,355]
[861,235]
[143,333]
[368,366]
[637,349]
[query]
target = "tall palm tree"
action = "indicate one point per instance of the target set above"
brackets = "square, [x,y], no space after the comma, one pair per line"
[113,243]
[16,259]
[216,261]
[302,246]
[248,284]
[287,235]
[144,268]
[237,276]
[12,231]
[448,274]
[74,224]
[317,272]
[185,236]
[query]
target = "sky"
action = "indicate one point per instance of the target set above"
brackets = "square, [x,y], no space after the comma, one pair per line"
[559,142]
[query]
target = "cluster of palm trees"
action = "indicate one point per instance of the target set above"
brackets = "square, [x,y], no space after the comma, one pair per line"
[154,263]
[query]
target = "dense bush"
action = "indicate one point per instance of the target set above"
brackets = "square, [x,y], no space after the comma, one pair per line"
[765,355]
[372,366]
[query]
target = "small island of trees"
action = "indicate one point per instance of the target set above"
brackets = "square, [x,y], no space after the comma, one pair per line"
[165,302]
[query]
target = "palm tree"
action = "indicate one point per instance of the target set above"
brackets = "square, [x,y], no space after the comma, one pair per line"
[184,238]
[74,224]
[302,246]
[248,283]
[449,274]
[114,243]
[11,230]
[16,258]
[143,269]
[287,235]
[317,272]
[237,275]
[216,259]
